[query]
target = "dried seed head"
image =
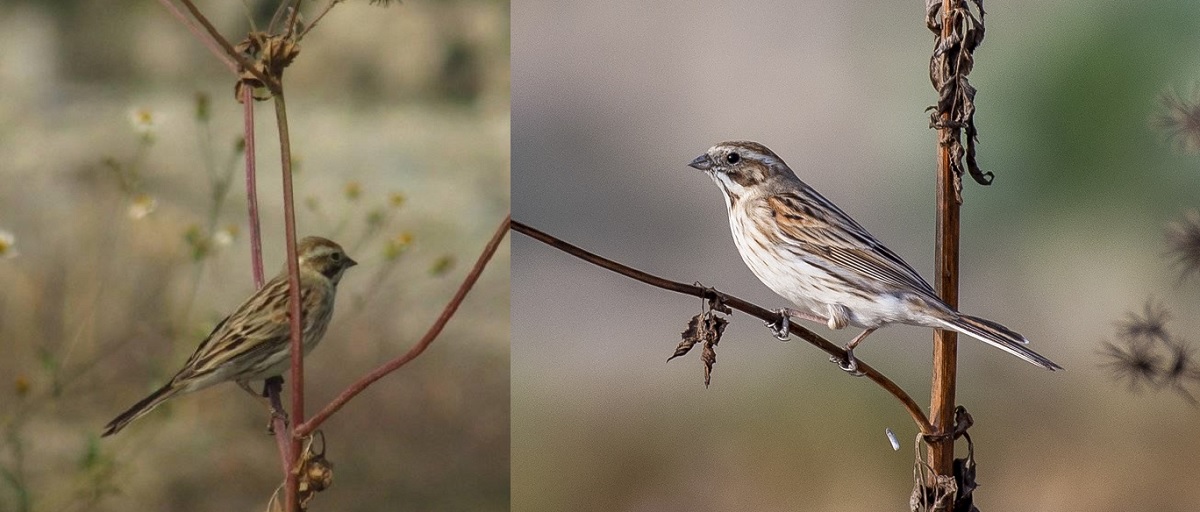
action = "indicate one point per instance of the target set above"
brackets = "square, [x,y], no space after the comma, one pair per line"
[1134,362]
[1150,325]
[1180,119]
[1183,243]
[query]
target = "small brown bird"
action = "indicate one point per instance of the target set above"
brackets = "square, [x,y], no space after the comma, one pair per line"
[808,251]
[253,343]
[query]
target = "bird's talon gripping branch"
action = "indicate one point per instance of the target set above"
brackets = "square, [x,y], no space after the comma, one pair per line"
[848,364]
[279,414]
[781,326]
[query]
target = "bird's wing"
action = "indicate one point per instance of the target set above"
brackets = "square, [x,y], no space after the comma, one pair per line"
[255,326]
[810,226]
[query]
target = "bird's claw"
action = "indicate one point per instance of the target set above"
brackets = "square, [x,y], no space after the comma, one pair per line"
[276,414]
[848,364]
[781,326]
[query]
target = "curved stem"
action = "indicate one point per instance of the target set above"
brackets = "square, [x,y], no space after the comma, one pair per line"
[304,429]
[752,309]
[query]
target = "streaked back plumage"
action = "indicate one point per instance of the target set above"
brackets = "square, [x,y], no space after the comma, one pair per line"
[252,342]
[809,251]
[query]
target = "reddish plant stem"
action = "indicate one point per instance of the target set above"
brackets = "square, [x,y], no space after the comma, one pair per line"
[945,343]
[279,427]
[294,307]
[910,405]
[256,262]
[204,38]
[304,429]
[273,387]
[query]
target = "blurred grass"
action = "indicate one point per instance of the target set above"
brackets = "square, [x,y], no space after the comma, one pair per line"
[97,309]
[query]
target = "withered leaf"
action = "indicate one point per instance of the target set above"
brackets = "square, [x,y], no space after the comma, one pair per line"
[691,336]
[705,328]
[952,60]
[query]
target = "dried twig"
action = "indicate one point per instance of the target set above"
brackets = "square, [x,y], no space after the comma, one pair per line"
[752,309]
[489,250]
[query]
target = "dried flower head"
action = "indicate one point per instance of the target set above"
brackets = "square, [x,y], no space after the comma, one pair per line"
[1134,362]
[1181,364]
[1181,119]
[1181,369]
[1150,325]
[1183,243]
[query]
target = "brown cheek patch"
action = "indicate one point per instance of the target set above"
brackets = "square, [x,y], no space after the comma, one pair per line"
[747,176]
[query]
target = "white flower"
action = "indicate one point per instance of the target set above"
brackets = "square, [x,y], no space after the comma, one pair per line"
[7,245]
[144,121]
[225,236]
[142,205]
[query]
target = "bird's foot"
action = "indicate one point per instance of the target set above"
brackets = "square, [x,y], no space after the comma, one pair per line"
[277,414]
[848,364]
[781,326]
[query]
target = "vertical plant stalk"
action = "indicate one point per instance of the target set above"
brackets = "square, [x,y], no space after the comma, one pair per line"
[289,222]
[278,426]
[252,188]
[945,343]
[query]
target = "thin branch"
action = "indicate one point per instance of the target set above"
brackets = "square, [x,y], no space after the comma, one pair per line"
[256,262]
[307,428]
[316,20]
[200,34]
[292,16]
[752,309]
[273,387]
[242,61]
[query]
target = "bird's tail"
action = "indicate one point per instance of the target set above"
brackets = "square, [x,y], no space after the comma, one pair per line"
[141,408]
[1000,337]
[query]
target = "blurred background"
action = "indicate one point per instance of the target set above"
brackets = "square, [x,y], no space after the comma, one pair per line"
[612,99]
[123,241]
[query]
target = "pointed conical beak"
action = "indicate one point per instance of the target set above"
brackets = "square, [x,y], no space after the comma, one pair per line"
[701,162]
[350,262]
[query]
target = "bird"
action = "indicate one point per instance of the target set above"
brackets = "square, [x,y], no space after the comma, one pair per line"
[254,342]
[810,252]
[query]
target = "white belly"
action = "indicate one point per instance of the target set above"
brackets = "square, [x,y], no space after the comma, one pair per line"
[811,287]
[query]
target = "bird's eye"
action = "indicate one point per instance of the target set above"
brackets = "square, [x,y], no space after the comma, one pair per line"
[733,158]
[337,256]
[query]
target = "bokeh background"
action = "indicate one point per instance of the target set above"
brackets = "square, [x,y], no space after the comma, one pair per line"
[119,258]
[612,99]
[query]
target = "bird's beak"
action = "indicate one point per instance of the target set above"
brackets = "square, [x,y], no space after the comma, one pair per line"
[350,262]
[702,162]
